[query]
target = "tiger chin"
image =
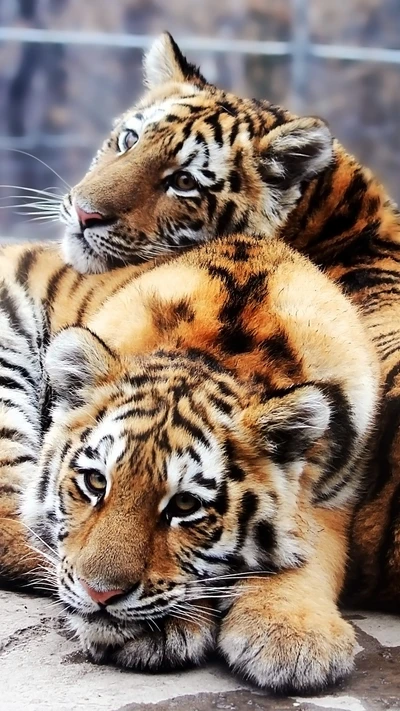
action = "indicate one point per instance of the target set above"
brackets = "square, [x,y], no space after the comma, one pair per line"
[197,489]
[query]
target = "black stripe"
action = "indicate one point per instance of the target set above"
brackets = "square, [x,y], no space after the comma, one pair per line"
[17,460]
[248,507]
[204,482]
[211,204]
[84,304]
[81,492]
[24,266]
[138,412]
[233,470]
[342,435]
[7,402]
[379,471]
[179,420]
[6,489]
[11,384]
[23,372]
[225,219]
[213,121]
[265,536]
[78,278]
[234,133]
[54,283]
[9,306]
[221,404]
[367,278]
[221,502]
[14,435]
[390,377]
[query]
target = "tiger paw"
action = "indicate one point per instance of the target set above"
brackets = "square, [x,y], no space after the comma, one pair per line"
[303,650]
[174,644]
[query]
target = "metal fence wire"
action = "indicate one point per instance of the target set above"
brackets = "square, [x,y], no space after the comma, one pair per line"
[60,88]
[299,50]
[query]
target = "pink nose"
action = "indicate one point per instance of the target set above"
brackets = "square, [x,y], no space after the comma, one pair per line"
[101,597]
[88,218]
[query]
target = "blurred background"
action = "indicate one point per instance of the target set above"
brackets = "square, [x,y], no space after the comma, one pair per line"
[68,67]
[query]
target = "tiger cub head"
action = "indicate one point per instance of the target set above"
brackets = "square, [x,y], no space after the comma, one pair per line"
[159,475]
[187,163]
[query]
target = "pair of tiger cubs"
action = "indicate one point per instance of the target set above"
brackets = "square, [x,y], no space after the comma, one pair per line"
[203,462]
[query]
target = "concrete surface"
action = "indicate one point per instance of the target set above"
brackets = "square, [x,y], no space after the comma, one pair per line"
[41,669]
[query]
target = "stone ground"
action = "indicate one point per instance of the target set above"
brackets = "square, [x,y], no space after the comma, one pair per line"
[42,670]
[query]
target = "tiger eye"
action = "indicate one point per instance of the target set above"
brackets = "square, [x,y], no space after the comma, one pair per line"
[95,482]
[183,181]
[185,502]
[129,140]
[182,505]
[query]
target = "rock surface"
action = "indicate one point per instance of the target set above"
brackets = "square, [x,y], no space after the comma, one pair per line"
[42,669]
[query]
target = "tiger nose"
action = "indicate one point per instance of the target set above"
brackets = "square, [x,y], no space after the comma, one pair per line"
[88,219]
[104,597]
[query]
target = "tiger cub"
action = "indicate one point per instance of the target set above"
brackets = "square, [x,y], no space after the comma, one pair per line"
[202,456]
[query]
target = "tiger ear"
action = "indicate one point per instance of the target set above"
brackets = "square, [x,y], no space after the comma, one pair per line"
[295,151]
[165,62]
[290,423]
[76,361]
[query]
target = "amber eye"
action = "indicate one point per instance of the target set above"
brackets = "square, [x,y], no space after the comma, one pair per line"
[183,181]
[127,140]
[182,505]
[95,482]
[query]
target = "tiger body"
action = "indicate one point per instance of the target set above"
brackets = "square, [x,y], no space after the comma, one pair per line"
[272,449]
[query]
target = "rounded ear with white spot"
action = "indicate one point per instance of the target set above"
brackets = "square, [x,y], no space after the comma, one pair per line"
[295,151]
[165,62]
[290,423]
[75,361]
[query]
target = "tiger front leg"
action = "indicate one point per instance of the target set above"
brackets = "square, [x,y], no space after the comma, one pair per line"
[285,632]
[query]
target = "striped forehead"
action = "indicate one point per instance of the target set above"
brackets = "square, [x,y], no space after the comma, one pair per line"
[199,151]
[199,470]
[139,120]
[104,446]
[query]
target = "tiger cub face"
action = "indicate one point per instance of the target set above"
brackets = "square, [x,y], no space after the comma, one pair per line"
[189,162]
[158,475]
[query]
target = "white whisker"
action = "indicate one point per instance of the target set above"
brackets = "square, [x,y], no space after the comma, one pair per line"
[43,214]
[46,165]
[246,574]
[32,190]
[187,617]
[203,610]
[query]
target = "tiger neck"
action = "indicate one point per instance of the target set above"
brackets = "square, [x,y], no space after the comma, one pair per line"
[343,216]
